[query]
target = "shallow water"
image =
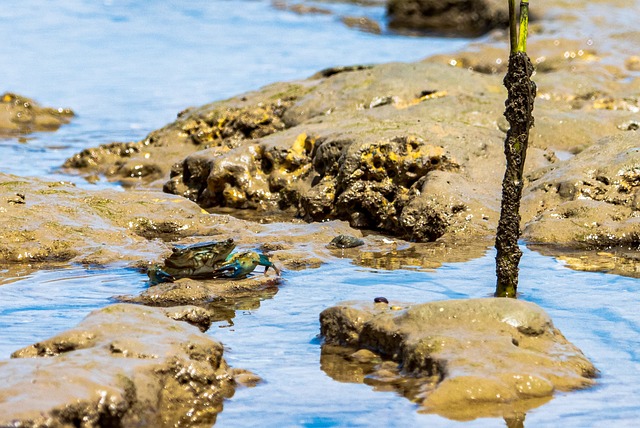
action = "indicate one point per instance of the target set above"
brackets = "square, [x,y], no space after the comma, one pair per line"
[278,340]
[128,67]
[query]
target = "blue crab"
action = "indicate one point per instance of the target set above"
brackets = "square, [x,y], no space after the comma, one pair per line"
[196,261]
[208,260]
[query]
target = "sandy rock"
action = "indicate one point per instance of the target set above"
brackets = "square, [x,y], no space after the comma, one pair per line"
[215,125]
[330,163]
[124,365]
[468,18]
[20,115]
[459,358]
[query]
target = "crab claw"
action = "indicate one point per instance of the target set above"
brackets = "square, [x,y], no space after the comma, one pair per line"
[264,261]
[157,275]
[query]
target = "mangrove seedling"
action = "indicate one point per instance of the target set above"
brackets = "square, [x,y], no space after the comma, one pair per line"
[521,92]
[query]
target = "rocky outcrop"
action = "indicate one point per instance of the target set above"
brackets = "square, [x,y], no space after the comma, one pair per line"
[466,18]
[21,115]
[162,373]
[409,150]
[462,359]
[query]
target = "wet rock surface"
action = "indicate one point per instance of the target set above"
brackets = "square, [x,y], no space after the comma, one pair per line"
[461,359]
[57,222]
[588,202]
[20,115]
[413,151]
[161,373]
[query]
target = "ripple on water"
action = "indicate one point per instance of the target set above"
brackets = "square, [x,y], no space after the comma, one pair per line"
[37,305]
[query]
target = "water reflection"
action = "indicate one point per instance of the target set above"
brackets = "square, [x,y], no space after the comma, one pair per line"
[389,254]
[617,261]
[345,364]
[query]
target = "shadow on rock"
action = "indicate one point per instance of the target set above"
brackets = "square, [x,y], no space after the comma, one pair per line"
[461,359]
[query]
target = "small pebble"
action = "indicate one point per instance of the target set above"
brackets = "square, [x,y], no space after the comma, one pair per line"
[381,300]
[346,241]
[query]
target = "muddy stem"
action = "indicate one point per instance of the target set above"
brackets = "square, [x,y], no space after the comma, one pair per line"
[521,92]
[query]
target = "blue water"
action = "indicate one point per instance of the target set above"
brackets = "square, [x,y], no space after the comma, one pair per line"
[129,67]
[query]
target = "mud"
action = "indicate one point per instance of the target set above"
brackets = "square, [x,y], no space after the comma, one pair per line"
[587,203]
[461,359]
[20,115]
[162,373]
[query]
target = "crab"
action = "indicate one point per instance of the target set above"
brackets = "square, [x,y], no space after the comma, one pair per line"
[196,261]
[208,260]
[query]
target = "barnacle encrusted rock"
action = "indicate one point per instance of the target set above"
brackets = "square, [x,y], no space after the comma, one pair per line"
[124,365]
[459,358]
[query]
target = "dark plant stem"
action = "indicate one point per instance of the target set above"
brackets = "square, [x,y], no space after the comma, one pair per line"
[519,107]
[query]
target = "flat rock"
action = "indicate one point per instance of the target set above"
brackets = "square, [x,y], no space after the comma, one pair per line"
[124,365]
[459,358]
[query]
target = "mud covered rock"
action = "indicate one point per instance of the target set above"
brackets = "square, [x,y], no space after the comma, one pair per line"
[335,161]
[468,18]
[160,373]
[21,115]
[592,200]
[462,359]
[410,150]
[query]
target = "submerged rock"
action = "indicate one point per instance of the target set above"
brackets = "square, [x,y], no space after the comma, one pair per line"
[21,115]
[124,365]
[462,359]
[346,241]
